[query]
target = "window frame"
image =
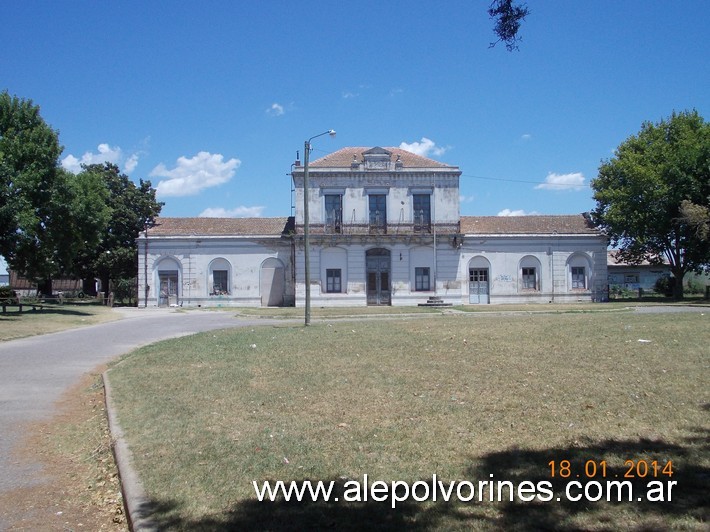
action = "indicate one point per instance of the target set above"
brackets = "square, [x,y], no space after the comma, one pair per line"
[378,200]
[578,277]
[224,290]
[422,273]
[424,224]
[337,220]
[529,273]
[334,281]
[220,268]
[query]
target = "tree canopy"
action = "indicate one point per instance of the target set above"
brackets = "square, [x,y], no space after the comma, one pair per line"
[56,223]
[131,208]
[653,196]
[40,209]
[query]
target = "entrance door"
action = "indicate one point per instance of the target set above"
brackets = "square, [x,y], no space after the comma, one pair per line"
[168,288]
[478,285]
[378,277]
[271,283]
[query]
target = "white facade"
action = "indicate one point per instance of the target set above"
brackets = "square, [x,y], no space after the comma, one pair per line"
[204,269]
[404,210]
[384,229]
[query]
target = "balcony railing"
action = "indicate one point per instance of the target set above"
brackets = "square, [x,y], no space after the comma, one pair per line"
[422,222]
[378,223]
[337,227]
[333,222]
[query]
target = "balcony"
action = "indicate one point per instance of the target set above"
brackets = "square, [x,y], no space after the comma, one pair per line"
[336,226]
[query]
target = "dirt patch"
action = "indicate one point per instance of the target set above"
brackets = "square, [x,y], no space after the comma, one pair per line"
[78,486]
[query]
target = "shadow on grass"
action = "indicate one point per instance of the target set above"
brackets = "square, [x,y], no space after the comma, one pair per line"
[54,311]
[688,507]
[688,502]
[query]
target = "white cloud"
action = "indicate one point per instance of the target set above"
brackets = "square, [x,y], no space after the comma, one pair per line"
[275,110]
[574,181]
[105,154]
[466,199]
[131,163]
[191,176]
[348,94]
[526,137]
[425,148]
[518,212]
[237,212]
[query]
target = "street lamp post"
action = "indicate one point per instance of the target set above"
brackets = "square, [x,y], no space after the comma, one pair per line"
[306,234]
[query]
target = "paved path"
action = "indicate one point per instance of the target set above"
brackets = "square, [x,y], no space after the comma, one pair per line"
[35,371]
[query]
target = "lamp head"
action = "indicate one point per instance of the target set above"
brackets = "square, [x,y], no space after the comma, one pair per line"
[332,133]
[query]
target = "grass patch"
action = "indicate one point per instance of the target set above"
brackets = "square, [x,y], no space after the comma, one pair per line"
[461,397]
[52,318]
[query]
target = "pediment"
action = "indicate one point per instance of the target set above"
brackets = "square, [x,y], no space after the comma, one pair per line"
[377,151]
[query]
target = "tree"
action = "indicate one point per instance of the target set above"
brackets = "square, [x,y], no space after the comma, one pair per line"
[33,190]
[653,195]
[29,149]
[131,209]
[48,216]
[508,16]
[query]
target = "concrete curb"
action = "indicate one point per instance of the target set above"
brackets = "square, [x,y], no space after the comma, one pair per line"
[135,500]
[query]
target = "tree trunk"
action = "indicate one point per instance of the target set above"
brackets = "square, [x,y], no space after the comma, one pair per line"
[678,285]
[88,286]
[105,280]
[44,287]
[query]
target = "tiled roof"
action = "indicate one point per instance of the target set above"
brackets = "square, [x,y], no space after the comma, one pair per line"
[526,225]
[612,259]
[496,225]
[220,226]
[343,158]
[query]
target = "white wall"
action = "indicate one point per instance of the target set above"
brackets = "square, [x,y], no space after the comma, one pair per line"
[244,256]
[356,186]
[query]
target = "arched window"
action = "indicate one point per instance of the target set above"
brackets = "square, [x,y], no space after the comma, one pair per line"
[529,274]
[578,272]
[219,281]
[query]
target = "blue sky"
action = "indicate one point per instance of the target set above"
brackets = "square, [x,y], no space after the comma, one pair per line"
[211,100]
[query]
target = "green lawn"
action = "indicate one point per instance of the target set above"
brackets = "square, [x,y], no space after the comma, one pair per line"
[460,396]
[52,318]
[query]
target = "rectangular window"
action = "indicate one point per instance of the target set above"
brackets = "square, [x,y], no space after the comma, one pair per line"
[421,279]
[220,284]
[422,212]
[579,280]
[378,212]
[332,281]
[333,212]
[529,279]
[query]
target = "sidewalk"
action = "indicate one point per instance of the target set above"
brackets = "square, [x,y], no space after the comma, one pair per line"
[36,371]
